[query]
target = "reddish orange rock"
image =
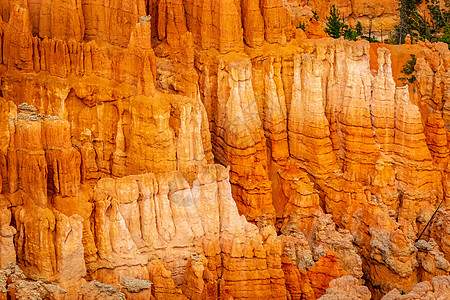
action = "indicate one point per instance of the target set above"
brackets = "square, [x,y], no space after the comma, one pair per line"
[315,30]
[240,139]
[108,172]
[7,232]
[322,272]
[436,135]
[383,116]
[98,26]
[297,282]
[253,23]
[346,287]
[302,200]
[308,126]
[61,19]
[275,112]
[171,21]
[277,25]
[437,288]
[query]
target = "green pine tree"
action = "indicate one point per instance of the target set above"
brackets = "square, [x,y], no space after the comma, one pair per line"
[359,29]
[410,20]
[334,26]
[408,70]
[445,37]
[350,34]
[439,27]
[440,17]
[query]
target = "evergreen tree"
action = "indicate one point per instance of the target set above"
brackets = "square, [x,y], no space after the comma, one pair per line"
[334,26]
[440,20]
[408,70]
[432,24]
[350,34]
[445,37]
[410,20]
[440,16]
[359,29]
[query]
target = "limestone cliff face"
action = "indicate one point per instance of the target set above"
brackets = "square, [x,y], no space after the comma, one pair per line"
[113,114]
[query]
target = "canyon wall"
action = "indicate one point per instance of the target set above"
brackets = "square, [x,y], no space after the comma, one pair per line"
[205,149]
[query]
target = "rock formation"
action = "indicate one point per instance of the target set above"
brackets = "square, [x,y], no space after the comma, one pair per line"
[437,289]
[346,287]
[209,149]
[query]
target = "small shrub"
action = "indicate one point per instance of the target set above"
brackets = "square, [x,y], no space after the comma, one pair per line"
[302,26]
[408,70]
[315,16]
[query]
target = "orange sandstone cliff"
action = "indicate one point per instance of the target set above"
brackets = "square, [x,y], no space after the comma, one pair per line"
[205,149]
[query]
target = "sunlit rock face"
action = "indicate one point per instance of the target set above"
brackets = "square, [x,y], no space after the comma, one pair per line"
[207,149]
